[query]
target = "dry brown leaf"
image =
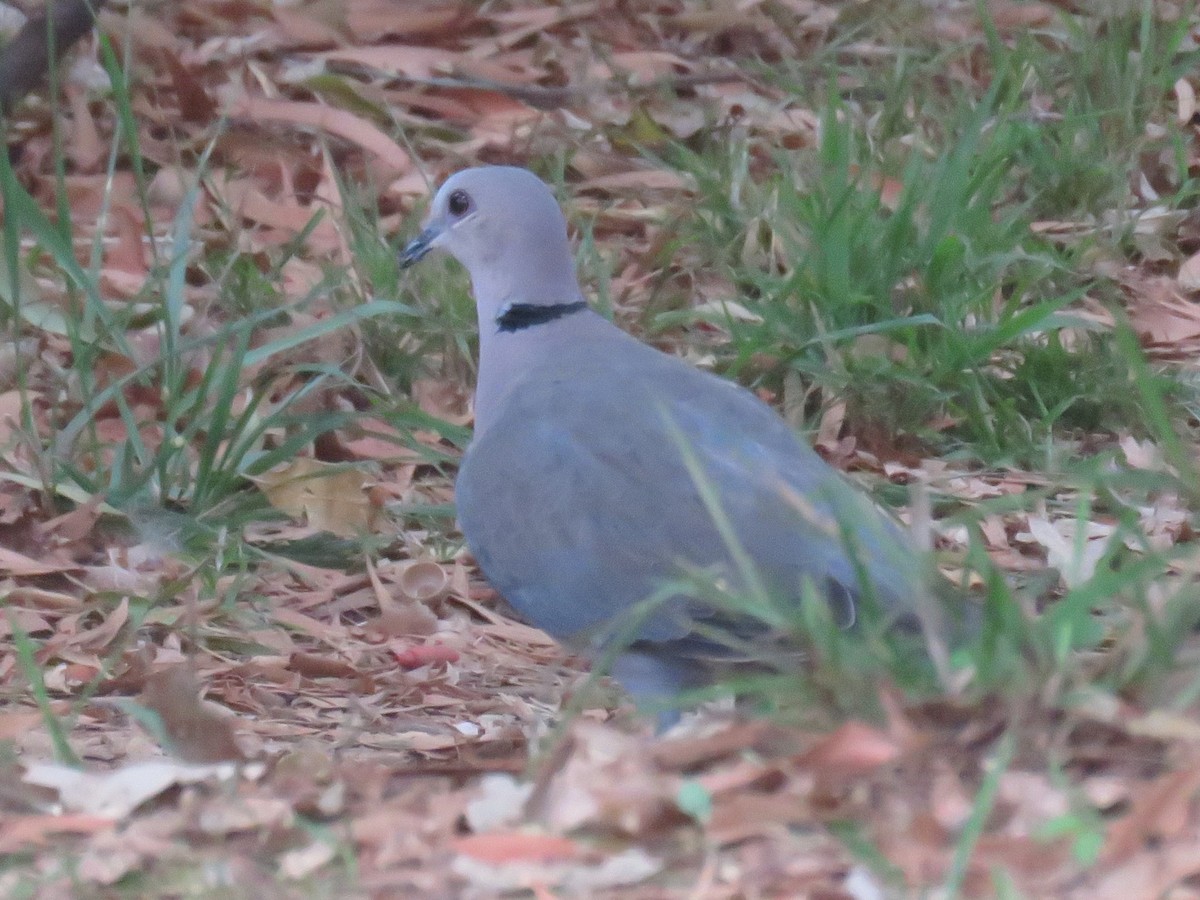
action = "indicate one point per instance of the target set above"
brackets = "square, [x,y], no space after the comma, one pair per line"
[1007,14]
[338,122]
[507,846]
[640,179]
[396,59]
[20,565]
[195,104]
[11,405]
[246,201]
[1147,876]
[13,724]
[310,665]
[1162,810]
[1188,277]
[369,20]
[19,833]
[116,794]
[311,25]
[854,748]
[741,817]
[329,497]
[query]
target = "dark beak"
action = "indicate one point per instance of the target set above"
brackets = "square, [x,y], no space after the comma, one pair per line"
[417,248]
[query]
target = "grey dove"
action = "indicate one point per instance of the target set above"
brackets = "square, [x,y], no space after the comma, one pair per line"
[602,469]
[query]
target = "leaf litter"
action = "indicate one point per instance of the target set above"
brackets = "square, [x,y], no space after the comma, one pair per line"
[400,708]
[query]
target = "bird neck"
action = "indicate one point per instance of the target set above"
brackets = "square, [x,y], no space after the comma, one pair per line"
[519,316]
[522,343]
[508,299]
[525,277]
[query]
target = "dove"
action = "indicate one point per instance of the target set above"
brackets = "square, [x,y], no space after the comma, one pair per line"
[604,476]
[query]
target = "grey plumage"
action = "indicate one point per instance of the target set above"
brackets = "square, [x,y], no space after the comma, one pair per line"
[582,492]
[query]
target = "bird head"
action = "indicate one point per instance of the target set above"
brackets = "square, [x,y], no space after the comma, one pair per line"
[504,225]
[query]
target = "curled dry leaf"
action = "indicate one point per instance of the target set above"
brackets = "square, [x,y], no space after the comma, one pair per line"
[118,793]
[1188,277]
[331,498]
[18,564]
[338,122]
[854,748]
[311,665]
[1075,559]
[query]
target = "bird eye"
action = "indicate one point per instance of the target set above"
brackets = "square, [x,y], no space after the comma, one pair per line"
[459,204]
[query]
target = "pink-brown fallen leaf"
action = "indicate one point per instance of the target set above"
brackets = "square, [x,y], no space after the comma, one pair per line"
[119,792]
[372,446]
[739,818]
[1149,875]
[20,565]
[369,20]
[90,195]
[444,106]
[514,846]
[395,59]
[423,654]
[79,673]
[443,399]
[127,253]
[1188,277]
[72,527]
[20,832]
[311,665]
[339,122]
[1160,810]
[11,405]
[1033,857]
[637,179]
[13,724]
[687,752]
[195,104]
[1007,15]
[249,202]
[102,635]
[742,776]
[300,27]
[853,749]
[26,619]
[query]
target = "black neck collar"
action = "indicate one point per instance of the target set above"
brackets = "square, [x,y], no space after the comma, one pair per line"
[518,316]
